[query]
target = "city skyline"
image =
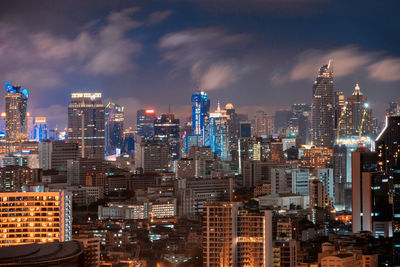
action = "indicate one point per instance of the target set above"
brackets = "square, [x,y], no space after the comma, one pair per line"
[160,56]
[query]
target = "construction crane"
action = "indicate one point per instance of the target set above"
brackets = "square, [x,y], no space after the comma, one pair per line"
[362,120]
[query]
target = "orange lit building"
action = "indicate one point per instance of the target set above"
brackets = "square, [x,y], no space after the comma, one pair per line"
[35,217]
[315,157]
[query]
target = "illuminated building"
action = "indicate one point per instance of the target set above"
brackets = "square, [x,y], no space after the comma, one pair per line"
[203,157]
[387,145]
[253,148]
[219,133]
[315,157]
[3,125]
[325,175]
[319,199]
[234,236]
[285,252]
[300,181]
[114,127]
[55,155]
[16,104]
[79,171]
[40,129]
[371,208]
[86,124]
[356,119]
[12,178]
[190,140]
[152,155]
[129,141]
[145,122]
[263,124]
[200,114]
[163,207]
[342,168]
[195,193]
[35,217]
[233,129]
[340,108]
[166,127]
[322,110]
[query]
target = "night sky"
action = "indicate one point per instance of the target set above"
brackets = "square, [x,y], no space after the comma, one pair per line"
[254,53]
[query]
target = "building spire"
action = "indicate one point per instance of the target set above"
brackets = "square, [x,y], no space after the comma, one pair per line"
[219,107]
[357,90]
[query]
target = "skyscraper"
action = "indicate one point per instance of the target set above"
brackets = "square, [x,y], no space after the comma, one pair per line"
[86,124]
[322,110]
[219,133]
[166,127]
[388,147]
[145,122]
[263,124]
[357,117]
[16,103]
[200,113]
[371,207]
[114,128]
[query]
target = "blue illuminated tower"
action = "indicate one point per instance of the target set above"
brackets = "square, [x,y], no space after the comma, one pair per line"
[16,100]
[200,114]
[219,133]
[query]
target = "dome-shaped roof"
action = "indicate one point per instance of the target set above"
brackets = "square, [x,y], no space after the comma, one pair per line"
[229,106]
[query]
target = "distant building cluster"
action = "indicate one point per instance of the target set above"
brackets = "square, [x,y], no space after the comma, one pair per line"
[316,184]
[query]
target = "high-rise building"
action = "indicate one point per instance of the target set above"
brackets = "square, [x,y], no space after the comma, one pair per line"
[114,128]
[235,236]
[25,216]
[356,120]
[16,104]
[233,128]
[145,122]
[200,114]
[300,123]
[86,124]
[40,129]
[12,178]
[219,133]
[129,141]
[371,208]
[322,109]
[55,155]
[264,124]
[388,147]
[166,127]
[152,155]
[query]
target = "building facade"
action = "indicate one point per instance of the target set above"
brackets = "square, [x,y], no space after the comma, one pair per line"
[86,124]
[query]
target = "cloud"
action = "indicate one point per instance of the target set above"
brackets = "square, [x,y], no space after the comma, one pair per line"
[346,60]
[386,70]
[158,16]
[280,7]
[218,76]
[42,59]
[209,54]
